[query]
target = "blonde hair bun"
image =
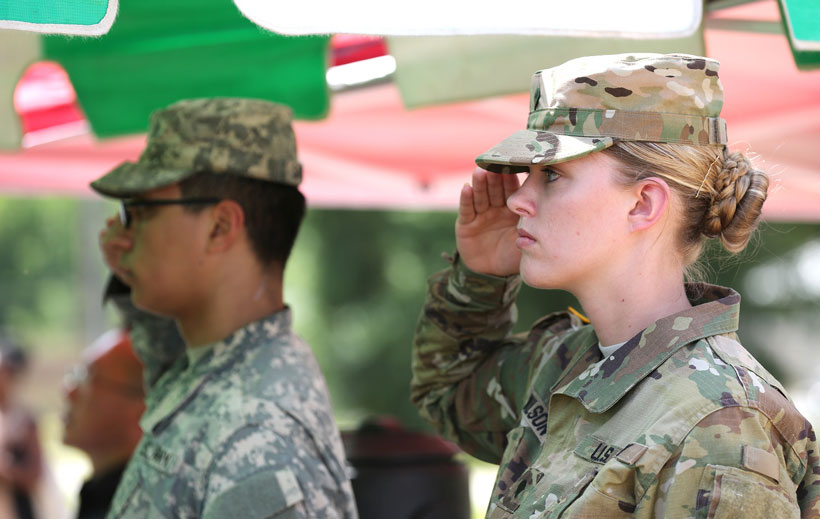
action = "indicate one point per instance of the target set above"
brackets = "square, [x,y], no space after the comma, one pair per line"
[721,193]
[738,191]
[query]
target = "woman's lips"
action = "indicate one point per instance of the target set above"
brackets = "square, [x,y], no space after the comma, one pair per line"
[524,239]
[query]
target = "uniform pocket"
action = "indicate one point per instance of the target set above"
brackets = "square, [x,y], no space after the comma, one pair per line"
[603,497]
[729,493]
[515,474]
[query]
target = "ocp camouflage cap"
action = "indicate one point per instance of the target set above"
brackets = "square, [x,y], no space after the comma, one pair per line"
[586,104]
[246,137]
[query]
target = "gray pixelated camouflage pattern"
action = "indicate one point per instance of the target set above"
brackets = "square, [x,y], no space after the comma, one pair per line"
[245,431]
[246,137]
[681,421]
[585,104]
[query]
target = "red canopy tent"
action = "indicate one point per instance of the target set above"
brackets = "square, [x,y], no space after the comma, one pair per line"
[372,152]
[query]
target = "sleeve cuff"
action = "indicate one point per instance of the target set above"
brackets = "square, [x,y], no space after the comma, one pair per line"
[484,289]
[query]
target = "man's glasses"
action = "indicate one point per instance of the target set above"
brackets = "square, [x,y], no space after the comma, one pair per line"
[126,205]
[78,375]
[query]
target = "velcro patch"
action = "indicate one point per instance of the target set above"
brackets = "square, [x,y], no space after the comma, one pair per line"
[160,458]
[631,453]
[262,495]
[290,487]
[762,462]
[596,450]
[535,415]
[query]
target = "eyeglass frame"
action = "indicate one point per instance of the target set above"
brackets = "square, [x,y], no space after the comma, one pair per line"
[77,376]
[125,218]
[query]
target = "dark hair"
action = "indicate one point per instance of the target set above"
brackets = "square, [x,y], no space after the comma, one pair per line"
[273,211]
[12,356]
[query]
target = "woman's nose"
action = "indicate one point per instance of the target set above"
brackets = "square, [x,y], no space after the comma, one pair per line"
[521,202]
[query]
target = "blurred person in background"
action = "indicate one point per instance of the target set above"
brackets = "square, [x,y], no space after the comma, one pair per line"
[27,488]
[104,403]
[20,456]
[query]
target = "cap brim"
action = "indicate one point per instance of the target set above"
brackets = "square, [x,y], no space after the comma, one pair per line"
[526,148]
[134,178]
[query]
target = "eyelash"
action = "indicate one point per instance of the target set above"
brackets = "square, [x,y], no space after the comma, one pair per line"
[551,175]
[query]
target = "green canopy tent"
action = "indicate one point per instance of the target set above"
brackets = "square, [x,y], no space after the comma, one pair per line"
[160,51]
[78,17]
[801,20]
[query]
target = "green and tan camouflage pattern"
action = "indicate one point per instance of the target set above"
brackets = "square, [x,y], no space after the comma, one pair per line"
[244,430]
[585,104]
[679,422]
[246,137]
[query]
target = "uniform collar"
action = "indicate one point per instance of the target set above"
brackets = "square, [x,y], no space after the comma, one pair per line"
[183,381]
[715,311]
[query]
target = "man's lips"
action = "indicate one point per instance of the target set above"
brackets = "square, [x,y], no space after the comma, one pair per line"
[524,239]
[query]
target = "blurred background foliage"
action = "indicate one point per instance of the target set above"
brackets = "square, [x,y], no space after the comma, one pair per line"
[356,282]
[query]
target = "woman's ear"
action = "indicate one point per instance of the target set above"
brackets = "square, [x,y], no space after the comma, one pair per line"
[227,221]
[652,197]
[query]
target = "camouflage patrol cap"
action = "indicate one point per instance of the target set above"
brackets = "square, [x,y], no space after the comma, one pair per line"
[586,104]
[246,137]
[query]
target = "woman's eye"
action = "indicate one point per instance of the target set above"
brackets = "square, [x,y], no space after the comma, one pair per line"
[551,175]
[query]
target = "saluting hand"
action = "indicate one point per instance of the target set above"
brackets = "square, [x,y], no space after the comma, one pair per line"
[485,228]
[115,240]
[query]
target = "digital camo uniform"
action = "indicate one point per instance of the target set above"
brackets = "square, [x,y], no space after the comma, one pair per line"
[679,422]
[241,428]
[244,137]
[244,431]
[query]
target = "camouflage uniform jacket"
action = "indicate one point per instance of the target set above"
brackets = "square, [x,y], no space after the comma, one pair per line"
[680,421]
[245,431]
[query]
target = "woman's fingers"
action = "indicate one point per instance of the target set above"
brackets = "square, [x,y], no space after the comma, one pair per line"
[511,185]
[481,199]
[466,209]
[495,189]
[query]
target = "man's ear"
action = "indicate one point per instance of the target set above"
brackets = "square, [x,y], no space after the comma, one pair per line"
[227,222]
[652,197]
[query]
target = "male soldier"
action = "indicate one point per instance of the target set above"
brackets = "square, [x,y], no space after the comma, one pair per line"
[239,425]
[104,402]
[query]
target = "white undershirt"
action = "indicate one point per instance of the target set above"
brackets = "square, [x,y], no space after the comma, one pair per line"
[606,351]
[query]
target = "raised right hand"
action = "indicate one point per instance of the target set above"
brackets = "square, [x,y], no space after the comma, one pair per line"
[115,240]
[485,228]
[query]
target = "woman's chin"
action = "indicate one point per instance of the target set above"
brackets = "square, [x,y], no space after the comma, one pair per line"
[537,279]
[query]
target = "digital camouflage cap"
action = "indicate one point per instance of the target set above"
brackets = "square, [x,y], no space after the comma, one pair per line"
[586,104]
[246,137]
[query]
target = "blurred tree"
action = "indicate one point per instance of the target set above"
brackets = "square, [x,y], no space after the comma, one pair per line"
[38,240]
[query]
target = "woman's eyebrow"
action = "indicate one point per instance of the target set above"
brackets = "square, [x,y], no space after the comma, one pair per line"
[557,168]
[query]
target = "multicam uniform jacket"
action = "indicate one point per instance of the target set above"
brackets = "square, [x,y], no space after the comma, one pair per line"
[679,422]
[245,430]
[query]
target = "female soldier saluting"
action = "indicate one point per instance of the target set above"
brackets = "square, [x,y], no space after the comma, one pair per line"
[651,407]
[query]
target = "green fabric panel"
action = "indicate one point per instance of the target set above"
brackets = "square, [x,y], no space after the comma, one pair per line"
[801,19]
[442,69]
[160,51]
[61,12]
